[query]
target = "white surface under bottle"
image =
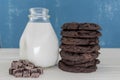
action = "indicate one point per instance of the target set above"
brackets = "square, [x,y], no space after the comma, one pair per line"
[39,43]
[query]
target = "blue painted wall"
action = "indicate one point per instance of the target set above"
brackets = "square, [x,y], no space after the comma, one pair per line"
[106,13]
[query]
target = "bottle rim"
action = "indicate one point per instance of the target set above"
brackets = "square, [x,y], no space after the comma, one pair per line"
[32,10]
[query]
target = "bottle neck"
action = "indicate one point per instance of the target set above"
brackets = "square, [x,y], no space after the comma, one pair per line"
[38,19]
[39,15]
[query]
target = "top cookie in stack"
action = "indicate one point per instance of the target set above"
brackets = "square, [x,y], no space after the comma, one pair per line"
[79,47]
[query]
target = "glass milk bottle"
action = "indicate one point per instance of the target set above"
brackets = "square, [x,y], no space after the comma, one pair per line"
[39,43]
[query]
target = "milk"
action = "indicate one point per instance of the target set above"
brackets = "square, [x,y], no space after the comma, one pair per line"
[39,44]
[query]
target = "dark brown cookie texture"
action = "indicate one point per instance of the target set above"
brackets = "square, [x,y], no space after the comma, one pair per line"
[81,34]
[24,68]
[80,49]
[80,26]
[79,41]
[76,69]
[78,63]
[79,56]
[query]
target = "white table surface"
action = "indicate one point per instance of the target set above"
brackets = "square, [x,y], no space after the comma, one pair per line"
[108,69]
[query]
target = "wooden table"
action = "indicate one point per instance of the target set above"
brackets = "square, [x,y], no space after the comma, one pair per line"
[108,69]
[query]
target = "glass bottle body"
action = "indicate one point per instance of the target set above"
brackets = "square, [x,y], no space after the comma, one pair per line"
[39,43]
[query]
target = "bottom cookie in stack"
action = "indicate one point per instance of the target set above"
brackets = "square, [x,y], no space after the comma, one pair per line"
[79,62]
[72,66]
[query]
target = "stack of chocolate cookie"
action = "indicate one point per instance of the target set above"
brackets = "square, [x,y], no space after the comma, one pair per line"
[79,47]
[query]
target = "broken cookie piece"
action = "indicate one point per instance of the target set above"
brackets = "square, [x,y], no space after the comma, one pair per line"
[24,68]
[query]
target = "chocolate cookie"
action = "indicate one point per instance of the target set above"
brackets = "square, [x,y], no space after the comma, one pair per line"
[79,41]
[81,34]
[80,26]
[80,49]
[75,69]
[78,56]
[77,63]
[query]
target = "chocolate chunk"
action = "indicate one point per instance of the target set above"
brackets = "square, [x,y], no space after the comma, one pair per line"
[26,73]
[16,71]
[13,65]
[31,66]
[18,74]
[16,64]
[40,70]
[11,71]
[28,67]
[35,75]
[25,62]
[34,70]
